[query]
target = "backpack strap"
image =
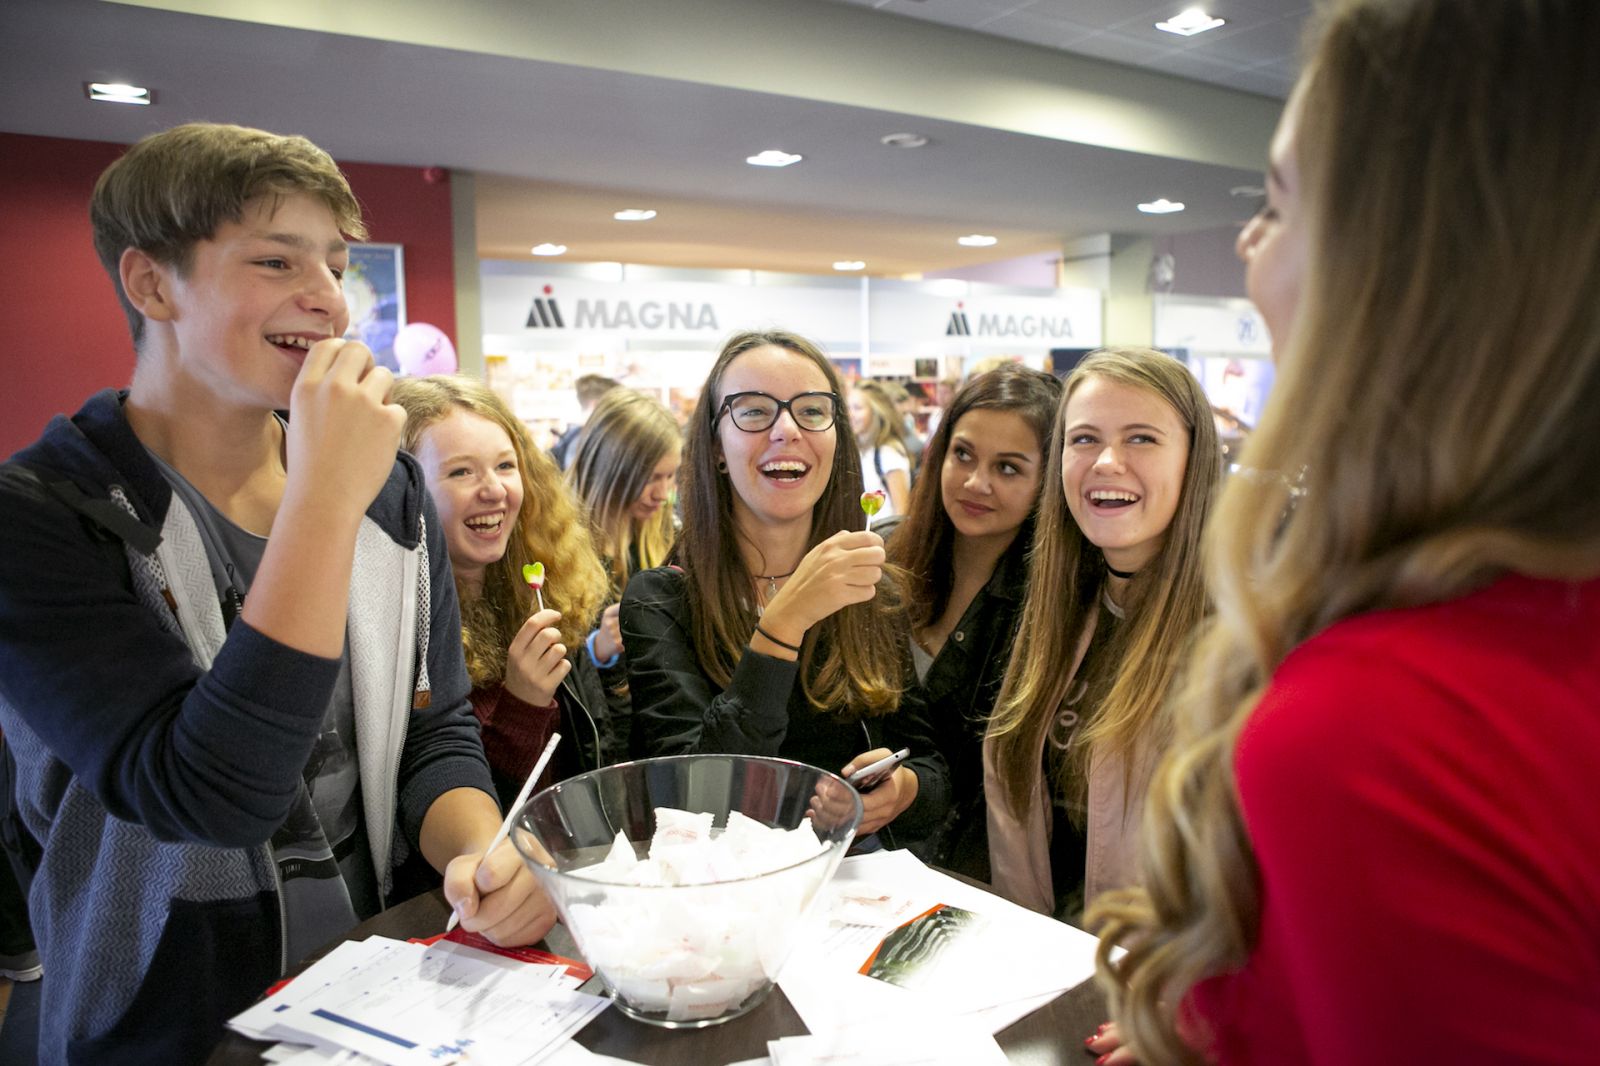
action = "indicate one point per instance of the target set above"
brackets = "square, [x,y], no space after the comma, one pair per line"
[104,514]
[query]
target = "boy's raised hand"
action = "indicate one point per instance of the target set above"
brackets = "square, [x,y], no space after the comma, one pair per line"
[343,432]
[342,440]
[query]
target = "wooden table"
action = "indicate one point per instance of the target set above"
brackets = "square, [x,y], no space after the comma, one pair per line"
[1050,1036]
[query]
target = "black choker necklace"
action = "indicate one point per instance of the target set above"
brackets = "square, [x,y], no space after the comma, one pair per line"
[772,581]
[1123,574]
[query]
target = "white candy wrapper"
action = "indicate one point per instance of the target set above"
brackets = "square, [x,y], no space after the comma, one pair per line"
[699,952]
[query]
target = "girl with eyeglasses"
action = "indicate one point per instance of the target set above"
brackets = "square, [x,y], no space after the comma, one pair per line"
[778,630]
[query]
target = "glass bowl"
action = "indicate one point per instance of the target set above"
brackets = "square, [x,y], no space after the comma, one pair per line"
[707,949]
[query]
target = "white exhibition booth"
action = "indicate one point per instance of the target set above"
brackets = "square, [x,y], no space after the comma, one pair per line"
[659,329]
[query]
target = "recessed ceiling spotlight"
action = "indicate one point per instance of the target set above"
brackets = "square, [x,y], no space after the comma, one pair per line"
[1190,22]
[634,214]
[1247,192]
[849,264]
[549,249]
[115,92]
[773,157]
[903,140]
[977,240]
[1162,206]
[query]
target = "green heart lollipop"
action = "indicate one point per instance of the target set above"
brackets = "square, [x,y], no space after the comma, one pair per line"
[533,574]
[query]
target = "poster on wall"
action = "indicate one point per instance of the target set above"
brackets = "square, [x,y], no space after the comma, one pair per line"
[849,368]
[1237,388]
[375,290]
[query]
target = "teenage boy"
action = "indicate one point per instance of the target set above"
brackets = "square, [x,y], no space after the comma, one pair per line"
[226,742]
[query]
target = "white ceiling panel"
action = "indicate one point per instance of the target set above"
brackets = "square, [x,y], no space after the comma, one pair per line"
[610,115]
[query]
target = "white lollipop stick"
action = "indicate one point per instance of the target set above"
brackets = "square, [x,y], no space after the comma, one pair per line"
[522,797]
[533,574]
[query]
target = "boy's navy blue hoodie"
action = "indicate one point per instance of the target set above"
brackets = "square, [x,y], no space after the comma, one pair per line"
[158,751]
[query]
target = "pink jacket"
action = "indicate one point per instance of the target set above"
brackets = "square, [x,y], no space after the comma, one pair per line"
[1019,848]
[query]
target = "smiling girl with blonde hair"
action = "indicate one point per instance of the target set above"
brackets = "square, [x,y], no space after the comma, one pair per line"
[529,667]
[1114,596]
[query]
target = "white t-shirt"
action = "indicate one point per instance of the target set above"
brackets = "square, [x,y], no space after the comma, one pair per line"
[890,458]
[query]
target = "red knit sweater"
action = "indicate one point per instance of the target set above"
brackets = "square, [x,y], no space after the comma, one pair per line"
[1422,792]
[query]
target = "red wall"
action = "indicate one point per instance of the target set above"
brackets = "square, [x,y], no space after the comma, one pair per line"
[66,334]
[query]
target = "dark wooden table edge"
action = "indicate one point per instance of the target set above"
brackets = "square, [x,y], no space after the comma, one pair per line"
[1050,1036]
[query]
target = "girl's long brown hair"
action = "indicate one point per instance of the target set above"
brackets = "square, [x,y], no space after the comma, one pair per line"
[1164,602]
[886,430]
[549,528]
[1434,414]
[851,660]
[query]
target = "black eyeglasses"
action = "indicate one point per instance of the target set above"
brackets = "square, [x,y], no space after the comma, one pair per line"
[755,412]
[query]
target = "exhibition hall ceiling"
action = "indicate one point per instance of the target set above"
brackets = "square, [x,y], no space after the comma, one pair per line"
[569,110]
[1257,48]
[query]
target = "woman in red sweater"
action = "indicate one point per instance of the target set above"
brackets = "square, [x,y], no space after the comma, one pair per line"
[1377,840]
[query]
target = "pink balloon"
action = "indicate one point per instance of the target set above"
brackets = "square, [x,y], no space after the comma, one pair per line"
[422,349]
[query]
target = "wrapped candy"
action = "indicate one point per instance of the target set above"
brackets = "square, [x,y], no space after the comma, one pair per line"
[718,937]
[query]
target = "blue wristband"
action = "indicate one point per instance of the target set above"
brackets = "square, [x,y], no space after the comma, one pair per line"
[609,663]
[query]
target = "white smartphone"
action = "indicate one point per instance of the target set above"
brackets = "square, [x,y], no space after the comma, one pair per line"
[872,775]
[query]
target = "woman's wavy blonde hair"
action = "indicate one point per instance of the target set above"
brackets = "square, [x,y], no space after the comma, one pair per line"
[1436,402]
[627,434]
[549,528]
[885,431]
[850,662]
[1164,602]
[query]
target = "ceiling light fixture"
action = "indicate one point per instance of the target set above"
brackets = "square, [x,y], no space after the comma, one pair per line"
[549,249]
[903,140]
[977,240]
[849,264]
[115,92]
[634,214]
[1162,206]
[1192,21]
[773,157]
